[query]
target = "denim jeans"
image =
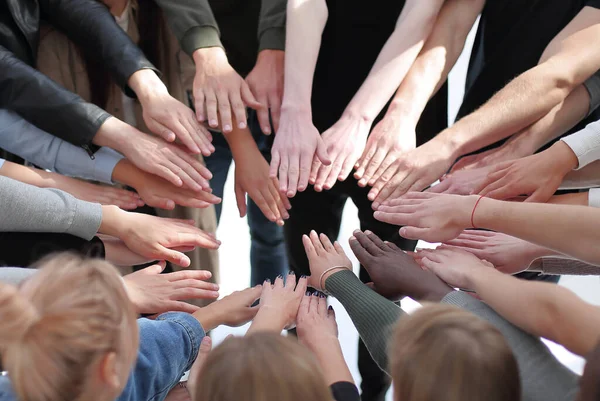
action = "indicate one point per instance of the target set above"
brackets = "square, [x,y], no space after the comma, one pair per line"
[267,249]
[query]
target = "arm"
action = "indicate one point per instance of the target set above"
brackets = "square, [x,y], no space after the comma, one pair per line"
[25,140]
[27,208]
[271,25]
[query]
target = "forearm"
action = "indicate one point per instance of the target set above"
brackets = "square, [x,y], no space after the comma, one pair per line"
[570,230]
[271,25]
[268,319]
[439,54]
[331,359]
[536,362]
[395,59]
[26,208]
[192,22]
[373,315]
[241,143]
[28,175]
[306,21]
[547,305]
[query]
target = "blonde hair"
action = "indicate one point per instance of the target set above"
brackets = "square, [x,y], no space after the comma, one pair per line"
[261,367]
[444,353]
[64,319]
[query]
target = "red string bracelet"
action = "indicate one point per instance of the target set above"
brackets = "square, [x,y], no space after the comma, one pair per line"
[473,212]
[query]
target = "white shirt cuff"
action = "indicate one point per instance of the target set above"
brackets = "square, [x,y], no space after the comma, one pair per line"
[585,144]
[594,197]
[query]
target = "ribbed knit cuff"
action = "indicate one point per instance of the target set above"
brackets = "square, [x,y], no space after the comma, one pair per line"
[585,144]
[200,37]
[562,266]
[272,39]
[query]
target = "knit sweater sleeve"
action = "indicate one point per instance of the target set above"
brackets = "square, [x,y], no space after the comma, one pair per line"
[271,26]
[543,377]
[373,315]
[27,208]
[564,266]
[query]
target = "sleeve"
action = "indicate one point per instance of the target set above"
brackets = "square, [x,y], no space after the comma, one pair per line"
[2,162]
[271,26]
[565,266]
[543,377]
[344,391]
[373,315]
[6,391]
[592,85]
[25,140]
[168,347]
[594,197]
[585,144]
[15,275]
[91,26]
[61,113]
[26,208]
[192,22]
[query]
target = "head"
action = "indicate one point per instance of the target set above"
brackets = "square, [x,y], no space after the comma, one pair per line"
[69,333]
[444,353]
[261,367]
[589,385]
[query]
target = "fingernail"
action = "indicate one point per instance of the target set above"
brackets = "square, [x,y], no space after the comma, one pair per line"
[242,125]
[227,128]
[291,272]
[280,276]
[330,307]
[268,281]
[368,232]
[266,130]
[307,293]
[303,276]
[213,123]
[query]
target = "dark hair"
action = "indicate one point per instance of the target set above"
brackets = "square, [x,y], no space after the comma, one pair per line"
[150,23]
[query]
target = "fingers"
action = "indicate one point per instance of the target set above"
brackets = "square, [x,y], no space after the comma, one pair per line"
[304,305]
[322,306]
[347,167]
[335,171]
[284,165]
[199,104]
[302,283]
[199,275]
[162,131]
[363,256]
[373,166]
[250,100]
[309,248]
[314,304]
[203,352]
[280,203]
[275,104]
[417,233]
[240,197]
[305,171]
[293,174]
[154,269]
[338,248]
[314,170]
[173,256]
[179,306]
[274,166]
[327,245]
[364,161]
[367,243]
[385,165]
[317,243]
[189,292]
[321,153]
[278,282]
[321,176]
[239,109]
[224,111]
[186,134]
[211,108]
[382,181]
[262,114]
[442,187]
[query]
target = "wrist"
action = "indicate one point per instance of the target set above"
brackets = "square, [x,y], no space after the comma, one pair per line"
[270,56]
[126,173]
[208,317]
[114,134]
[209,54]
[358,115]
[146,84]
[296,110]
[270,318]
[113,221]
[563,157]
[323,344]
[402,111]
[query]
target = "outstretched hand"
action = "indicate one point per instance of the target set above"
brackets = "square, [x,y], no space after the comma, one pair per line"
[155,293]
[233,310]
[315,322]
[323,255]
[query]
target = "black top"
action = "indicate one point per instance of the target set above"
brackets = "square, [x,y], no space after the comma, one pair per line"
[344,391]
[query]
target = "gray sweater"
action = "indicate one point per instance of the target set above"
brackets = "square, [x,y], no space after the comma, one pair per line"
[543,377]
[25,208]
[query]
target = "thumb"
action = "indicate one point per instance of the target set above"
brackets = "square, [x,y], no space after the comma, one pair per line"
[249,99]
[240,197]
[414,232]
[322,154]
[155,269]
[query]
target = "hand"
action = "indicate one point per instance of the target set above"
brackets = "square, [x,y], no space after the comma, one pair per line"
[154,155]
[234,310]
[168,117]
[322,255]
[266,83]
[416,170]
[461,182]
[159,193]
[386,144]
[430,217]
[509,254]
[220,91]
[345,142]
[395,273]
[252,177]
[296,144]
[195,371]
[515,147]
[279,303]
[316,323]
[538,175]
[152,292]
[103,194]
[154,237]
[454,266]
[179,393]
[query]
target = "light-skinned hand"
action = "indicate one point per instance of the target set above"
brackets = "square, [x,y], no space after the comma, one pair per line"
[509,254]
[322,255]
[155,293]
[296,144]
[454,266]
[316,323]
[266,83]
[252,178]
[461,182]
[233,310]
[538,176]
[167,117]
[154,237]
[428,216]
[345,142]
[416,170]
[386,144]
[219,91]
[516,147]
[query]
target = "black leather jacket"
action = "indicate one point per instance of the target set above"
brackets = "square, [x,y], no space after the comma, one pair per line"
[36,97]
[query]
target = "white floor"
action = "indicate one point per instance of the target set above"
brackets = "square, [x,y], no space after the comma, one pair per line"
[235,261]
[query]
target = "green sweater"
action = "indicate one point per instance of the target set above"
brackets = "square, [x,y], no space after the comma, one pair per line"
[195,25]
[543,377]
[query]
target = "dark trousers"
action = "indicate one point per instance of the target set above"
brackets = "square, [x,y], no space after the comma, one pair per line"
[267,250]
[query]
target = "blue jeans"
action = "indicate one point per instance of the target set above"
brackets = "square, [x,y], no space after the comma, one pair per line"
[267,248]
